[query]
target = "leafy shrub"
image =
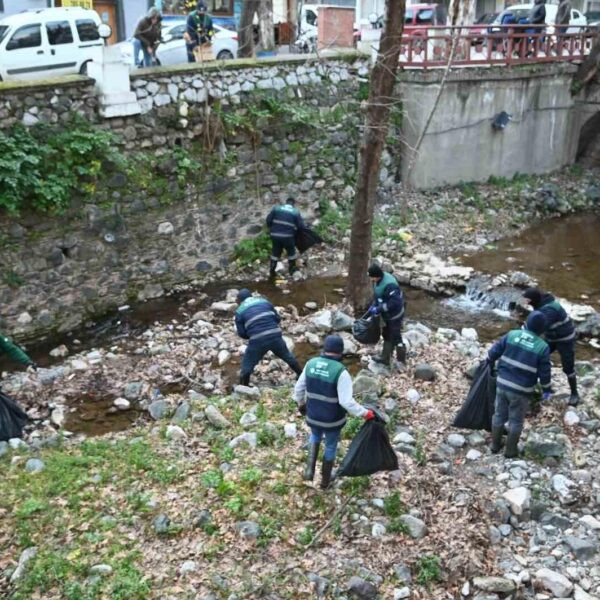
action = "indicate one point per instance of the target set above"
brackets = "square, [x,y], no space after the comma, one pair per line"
[251,249]
[42,167]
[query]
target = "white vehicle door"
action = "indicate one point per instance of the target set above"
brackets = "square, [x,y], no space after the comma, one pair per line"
[64,55]
[25,55]
[173,51]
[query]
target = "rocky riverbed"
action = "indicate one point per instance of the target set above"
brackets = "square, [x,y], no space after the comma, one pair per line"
[148,474]
[203,497]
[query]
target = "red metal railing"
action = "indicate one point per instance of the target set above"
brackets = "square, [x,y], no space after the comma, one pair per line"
[478,45]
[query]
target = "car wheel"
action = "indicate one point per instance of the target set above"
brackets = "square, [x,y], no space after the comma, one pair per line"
[84,68]
[225,55]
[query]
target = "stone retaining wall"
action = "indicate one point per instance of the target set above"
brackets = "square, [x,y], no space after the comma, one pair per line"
[129,243]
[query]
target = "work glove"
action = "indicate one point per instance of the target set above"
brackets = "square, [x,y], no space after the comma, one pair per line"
[374,311]
[369,415]
[546,395]
[32,366]
[302,409]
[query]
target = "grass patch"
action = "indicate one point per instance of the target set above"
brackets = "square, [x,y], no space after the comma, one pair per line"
[429,570]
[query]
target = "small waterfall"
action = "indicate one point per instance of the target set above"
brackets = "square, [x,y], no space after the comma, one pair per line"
[486,294]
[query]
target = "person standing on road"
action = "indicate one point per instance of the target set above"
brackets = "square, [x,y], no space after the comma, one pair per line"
[284,221]
[523,358]
[560,333]
[324,395]
[199,30]
[561,22]
[388,302]
[147,37]
[257,321]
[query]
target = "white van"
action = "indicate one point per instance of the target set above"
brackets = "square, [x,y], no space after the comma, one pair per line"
[47,42]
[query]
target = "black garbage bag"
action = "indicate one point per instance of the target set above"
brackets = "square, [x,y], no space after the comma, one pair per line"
[367,329]
[12,418]
[478,408]
[307,238]
[370,451]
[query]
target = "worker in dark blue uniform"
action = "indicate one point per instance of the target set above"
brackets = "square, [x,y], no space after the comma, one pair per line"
[523,357]
[284,221]
[560,333]
[388,301]
[324,395]
[257,321]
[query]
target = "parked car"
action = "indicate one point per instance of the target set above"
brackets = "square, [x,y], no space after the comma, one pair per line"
[479,28]
[224,22]
[172,51]
[419,17]
[593,17]
[521,11]
[48,42]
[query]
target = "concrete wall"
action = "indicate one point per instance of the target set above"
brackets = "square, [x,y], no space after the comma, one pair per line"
[460,144]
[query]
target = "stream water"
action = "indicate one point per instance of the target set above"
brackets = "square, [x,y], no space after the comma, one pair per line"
[563,254]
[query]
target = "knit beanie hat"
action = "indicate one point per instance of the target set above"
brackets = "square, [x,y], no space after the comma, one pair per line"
[243,294]
[375,271]
[334,344]
[201,6]
[533,294]
[536,322]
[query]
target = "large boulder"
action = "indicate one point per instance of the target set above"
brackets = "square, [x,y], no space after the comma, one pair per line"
[341,321]
[364,383]
[424,372]
[554,582]
[323,320]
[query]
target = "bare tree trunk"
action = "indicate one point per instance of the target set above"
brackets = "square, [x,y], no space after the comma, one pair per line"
[246,31]
[265,25]
[381,97]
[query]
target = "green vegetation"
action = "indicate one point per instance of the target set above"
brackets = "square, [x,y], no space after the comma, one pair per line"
[334,221]
[428,570]
[68,507]
[250,250]
[420,454]
[42,167]
[305,536]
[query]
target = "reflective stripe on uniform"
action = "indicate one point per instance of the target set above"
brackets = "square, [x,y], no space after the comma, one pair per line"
[396,317]
[326,425]
[282,235]
[514,386]
[518,364]
[332,400]
[560,323]
[564,339]
[259,316]
[286,223]
[265,333]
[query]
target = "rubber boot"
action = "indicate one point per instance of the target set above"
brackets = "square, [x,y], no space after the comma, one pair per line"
[292,266]
[401,353]
[245,379]
[512,440]
[326,469]
[386,354]
[297,369]
[272,267]
[497,433]
[574,397]
[311,462]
